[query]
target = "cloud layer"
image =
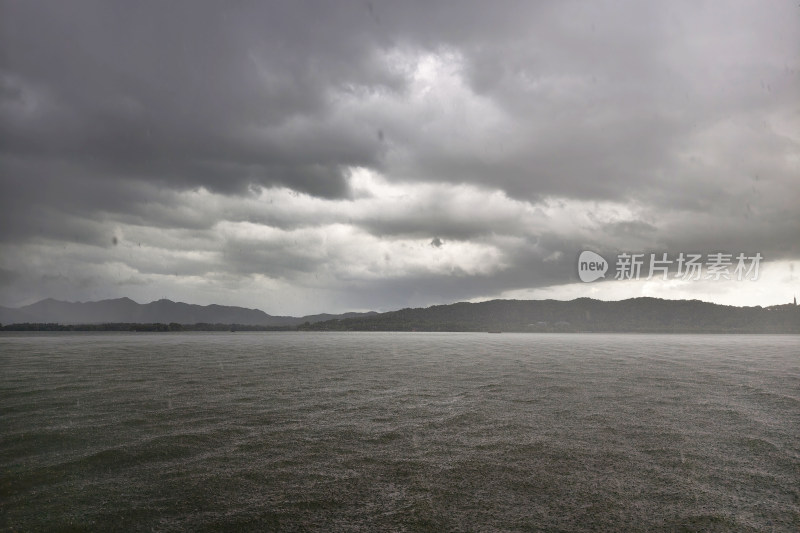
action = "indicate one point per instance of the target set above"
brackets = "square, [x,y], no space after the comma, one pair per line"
[302,157]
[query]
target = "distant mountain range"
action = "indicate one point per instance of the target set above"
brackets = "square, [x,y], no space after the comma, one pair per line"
[125,310]
[580,315]
[645,315]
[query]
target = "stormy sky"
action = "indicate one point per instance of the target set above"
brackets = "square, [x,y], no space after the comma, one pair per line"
[310,156]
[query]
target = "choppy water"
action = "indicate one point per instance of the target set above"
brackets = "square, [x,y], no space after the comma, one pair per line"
[399,431]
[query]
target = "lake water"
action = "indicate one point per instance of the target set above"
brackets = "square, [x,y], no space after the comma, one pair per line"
[399,431]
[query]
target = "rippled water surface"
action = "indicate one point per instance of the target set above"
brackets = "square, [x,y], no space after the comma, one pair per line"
[399,431]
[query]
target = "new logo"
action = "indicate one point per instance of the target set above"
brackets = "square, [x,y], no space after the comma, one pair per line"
[591,266]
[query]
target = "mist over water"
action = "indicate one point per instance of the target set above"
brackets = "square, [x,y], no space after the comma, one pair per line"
[399,431]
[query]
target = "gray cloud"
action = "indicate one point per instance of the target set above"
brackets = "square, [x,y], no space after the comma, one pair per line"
[227,141]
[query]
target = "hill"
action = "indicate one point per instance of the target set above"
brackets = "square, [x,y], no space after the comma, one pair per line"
[125,310]
[645,315]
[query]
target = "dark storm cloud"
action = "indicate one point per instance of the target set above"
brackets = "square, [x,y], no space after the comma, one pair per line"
[204,94]
[185,95]
[151,121]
